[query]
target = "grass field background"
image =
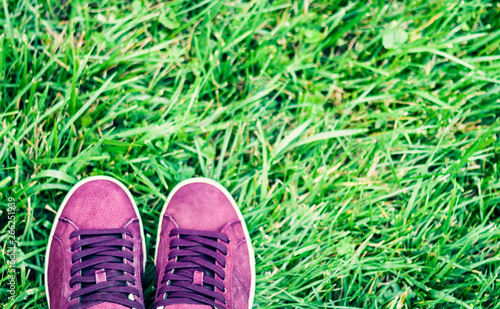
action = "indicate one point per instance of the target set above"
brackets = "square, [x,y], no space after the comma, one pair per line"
[360,138]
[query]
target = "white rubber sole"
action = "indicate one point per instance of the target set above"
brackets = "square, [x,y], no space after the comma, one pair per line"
[56,220]
[240,216]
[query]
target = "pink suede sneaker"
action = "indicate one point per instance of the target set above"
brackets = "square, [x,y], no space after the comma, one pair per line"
[95,255]
[204,257]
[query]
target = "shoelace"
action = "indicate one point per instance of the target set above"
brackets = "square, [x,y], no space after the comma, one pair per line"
[191,279]
[100,269]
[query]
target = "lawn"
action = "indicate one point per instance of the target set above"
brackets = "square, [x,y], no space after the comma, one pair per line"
[359,138]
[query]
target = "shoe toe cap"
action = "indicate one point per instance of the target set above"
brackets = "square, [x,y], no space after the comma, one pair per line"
[99,204]
[201,206]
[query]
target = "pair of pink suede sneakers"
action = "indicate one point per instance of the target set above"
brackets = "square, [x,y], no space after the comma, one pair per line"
[96,252]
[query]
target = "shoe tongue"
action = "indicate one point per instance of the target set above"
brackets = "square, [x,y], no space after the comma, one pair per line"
[186,306]
[109,306]
[189,273]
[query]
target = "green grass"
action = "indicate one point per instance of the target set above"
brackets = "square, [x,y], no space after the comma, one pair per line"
[360,138]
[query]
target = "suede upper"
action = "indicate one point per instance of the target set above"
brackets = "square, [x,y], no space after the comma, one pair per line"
[95,204]
[204,207]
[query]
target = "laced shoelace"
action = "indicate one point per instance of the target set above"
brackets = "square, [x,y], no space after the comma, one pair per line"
[191,279]
[100,269]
